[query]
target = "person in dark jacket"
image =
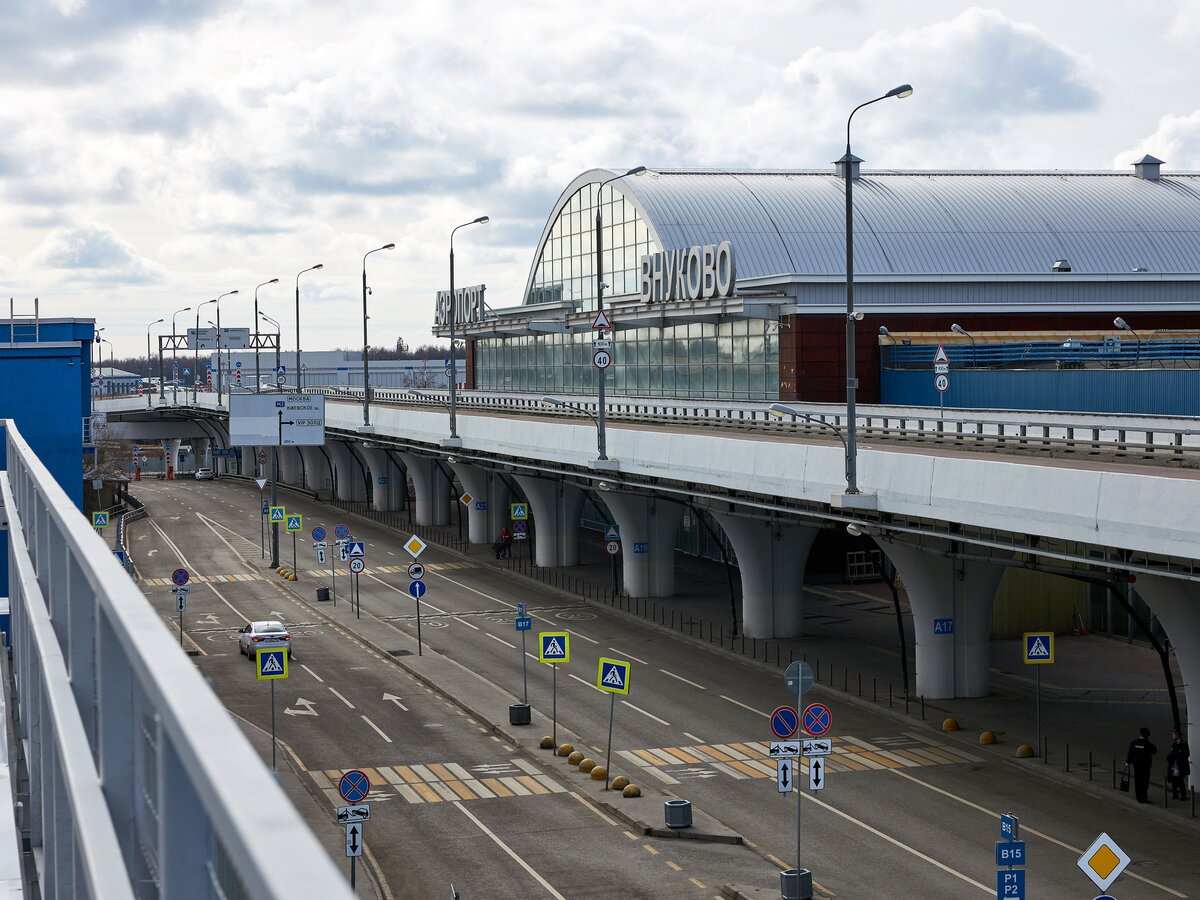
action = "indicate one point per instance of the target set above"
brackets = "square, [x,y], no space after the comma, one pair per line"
[1141,757]
[1178,767]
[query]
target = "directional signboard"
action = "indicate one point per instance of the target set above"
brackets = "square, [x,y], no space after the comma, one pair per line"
[1039,648]
[613,676]
[271,663]
[1010,853]
[1010,883]
[524,623]
[554,647]
[943,626]
[254,419]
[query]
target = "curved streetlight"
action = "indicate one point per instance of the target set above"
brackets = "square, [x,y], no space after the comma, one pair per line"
[278,338]
[196,371]
[849,161]
[299,383]
[554,401]
[779,410]
[220,380]
[454,439]
[1124,326]
[601,442]
[149,394]
[112,356]
[421,395]
[257,367]
[958,329]
[366,345]
[174,362]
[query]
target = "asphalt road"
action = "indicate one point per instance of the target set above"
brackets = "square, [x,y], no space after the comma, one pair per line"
[905,812]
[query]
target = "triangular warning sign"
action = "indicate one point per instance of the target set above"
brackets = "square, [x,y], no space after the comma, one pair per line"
[1039,649]
[940,357]
[271,665]
[261,482]
[553,648]
[614,677]
[601,322]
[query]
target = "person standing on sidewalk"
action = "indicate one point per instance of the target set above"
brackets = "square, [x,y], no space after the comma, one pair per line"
[1178,767]
[1141,758]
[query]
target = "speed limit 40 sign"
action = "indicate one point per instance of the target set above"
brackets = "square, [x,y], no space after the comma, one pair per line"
[602,359]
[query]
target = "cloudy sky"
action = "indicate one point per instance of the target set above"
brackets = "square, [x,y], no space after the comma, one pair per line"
[155,153]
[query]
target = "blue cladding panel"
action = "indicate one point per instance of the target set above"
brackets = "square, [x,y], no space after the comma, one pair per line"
[1172,392]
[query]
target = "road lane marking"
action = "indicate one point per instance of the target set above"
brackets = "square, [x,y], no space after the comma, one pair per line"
[684,680]
[900,844]
[464,622]
[343,699]
[183,559]
[675,867]
[585,682]
[376,727]
[647,714]
[630,655]
[744,706]
[586,805]
[509,850]
[467,587]
[690,736]
[312,673]
[503,641]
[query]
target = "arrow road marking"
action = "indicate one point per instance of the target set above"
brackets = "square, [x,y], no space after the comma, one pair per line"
[307,711]
[394,699]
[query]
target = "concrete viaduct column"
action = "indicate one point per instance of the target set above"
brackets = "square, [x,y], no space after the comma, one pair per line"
[349,472]
[201,447]
[653,522]
[316,474]
[557,508]
[291,466]
[483,525]
[1177,605]
[432,506]
[948,664]
[171,455]
[379,470]
[771,557]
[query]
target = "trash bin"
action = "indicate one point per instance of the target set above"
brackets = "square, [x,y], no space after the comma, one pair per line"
[519,714]
[322,593]
[678,813]
[795,884]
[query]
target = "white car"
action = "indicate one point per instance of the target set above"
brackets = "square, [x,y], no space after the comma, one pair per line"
[205,474]
[269,634]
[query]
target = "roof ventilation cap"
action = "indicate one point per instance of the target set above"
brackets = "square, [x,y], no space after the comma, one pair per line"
[840,166]
[1147,168]
[1061,265]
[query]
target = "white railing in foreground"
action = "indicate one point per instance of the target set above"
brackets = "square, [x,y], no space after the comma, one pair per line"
[140,783]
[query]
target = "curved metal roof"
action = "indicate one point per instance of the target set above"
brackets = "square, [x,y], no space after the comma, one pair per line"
[940,224]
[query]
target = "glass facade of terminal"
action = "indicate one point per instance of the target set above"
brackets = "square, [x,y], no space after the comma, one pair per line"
[735,360]
[567,267]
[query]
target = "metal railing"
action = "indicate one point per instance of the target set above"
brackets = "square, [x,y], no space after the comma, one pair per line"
[140,784]
[1109,353]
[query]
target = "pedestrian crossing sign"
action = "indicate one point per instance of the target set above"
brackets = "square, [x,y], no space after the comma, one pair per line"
[99,520]
[295,522]
[1039,648]
[272,662]
[613,676]
[518,512]
[554,647]
[278,514]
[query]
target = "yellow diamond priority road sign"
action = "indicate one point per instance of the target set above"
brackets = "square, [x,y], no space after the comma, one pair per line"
[415,546]
[1103,861]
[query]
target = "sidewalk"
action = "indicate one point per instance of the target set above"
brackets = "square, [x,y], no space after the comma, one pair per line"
[1094,697]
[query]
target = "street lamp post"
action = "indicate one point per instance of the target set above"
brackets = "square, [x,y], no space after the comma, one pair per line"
[220,380]
[174,363]
[601,443]
[149,401]
[112,357]
[196,371]
[452,311]
[848,163]
[299,383]
[958,329]
[366,344]
[278,338]
[1125,326]
[257,368]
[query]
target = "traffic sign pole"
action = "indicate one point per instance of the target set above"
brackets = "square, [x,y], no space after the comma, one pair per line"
[524,671]
[272,724]
[612,708]
[262,529]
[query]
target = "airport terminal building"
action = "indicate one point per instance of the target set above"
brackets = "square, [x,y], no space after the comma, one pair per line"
[731,285]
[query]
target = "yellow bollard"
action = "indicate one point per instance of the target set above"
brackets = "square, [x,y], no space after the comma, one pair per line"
[619,783]
[950,724]
[988,737]
[586,765]
[565,749]
[631,790]
[1024,751]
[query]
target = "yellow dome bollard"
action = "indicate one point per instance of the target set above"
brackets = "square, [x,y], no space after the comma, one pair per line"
[546,743]
[631,790]
[575,758]
[950,724]
[987,737]
[565,749]
[619,783]
[1024,751]
[599,773]
[586,764]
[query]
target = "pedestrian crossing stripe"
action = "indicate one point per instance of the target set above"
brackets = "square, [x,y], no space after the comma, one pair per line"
[253,576]
[1039,648]
[613,676]
[751,759]
[272,662]
[554,647]
[445,782]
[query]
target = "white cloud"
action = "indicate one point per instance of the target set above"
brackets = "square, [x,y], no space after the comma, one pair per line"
[1176,141]
[93,253]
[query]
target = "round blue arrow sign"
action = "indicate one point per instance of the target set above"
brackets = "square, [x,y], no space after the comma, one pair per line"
[417,589]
